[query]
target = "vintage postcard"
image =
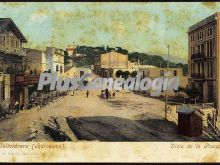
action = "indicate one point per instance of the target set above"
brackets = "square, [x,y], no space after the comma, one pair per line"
[109,81]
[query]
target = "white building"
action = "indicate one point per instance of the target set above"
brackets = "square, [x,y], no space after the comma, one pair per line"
[55,60]
[76,72]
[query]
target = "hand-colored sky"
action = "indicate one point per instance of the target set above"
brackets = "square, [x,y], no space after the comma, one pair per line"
[143,27]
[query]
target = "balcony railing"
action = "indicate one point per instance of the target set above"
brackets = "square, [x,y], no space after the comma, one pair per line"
[198,56]
[27,79]
[13,71]
[198,75]
[11,50]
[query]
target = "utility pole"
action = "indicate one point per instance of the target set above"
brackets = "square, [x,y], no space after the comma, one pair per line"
[166,97]
[43,47]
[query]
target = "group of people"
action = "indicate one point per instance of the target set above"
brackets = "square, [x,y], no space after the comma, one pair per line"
[106,94]
[5,107]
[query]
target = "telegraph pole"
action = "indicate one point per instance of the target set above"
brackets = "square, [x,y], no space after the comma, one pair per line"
[43,47]
[166,97]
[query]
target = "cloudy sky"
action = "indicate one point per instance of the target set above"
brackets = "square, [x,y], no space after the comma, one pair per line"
[143,27]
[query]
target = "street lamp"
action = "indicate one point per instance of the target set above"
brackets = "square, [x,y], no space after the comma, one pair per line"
[166,97]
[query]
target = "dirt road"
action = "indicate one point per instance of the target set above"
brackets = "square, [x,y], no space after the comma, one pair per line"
[128,117]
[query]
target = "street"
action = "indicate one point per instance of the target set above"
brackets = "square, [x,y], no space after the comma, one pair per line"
[128,117]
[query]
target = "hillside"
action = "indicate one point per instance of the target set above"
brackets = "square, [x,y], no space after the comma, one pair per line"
[144,58]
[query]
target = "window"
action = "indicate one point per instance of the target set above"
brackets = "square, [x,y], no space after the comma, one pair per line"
[61,69]
[211,68]
[210,49]
[57,68]
[198,48]
[174,73]
[16,44]
[81,73]
[203,71]
[7,41]
[162,73]
[210,31]
[208,68]
[202,49]
[198,66]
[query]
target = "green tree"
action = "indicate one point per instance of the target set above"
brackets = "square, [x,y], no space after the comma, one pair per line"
[185,69]
[118,73]
[109,49]
[121,50]
[133,73]
[126,74]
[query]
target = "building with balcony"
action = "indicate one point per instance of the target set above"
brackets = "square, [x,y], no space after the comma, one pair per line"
[11,54]
[203,58]
[12,60]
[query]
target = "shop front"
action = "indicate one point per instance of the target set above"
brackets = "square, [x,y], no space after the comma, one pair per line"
[26,85]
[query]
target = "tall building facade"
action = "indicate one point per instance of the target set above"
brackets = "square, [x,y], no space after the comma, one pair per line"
[203,58]
[12,60]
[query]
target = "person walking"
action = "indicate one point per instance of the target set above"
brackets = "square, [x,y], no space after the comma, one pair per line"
[106,93]
[17,106]
[87,93]
[113,95]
